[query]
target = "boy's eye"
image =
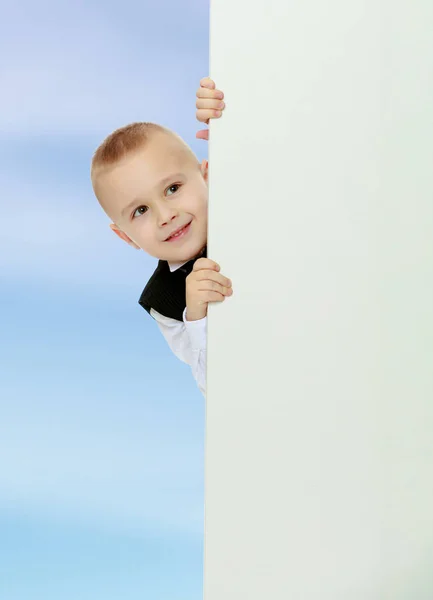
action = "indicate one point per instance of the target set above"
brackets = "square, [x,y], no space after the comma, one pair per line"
[140,211]
[175,185]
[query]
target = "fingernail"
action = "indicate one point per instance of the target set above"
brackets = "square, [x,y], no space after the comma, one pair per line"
[218,113]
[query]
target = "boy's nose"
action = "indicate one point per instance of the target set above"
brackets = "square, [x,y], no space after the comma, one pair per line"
[166,217]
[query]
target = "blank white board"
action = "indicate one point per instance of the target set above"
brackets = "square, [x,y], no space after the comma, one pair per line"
[319,421]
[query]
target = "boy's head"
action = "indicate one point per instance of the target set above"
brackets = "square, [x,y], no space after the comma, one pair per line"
[150,184]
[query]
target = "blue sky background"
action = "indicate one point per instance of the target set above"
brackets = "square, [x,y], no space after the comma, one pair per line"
[101,427]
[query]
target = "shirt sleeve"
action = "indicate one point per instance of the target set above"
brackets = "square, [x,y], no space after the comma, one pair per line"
[188,341]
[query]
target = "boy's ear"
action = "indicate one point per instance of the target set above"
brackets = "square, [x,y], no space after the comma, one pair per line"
[205,169]
[123,236]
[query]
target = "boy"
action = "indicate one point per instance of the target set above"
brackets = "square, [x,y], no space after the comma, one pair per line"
[132,173]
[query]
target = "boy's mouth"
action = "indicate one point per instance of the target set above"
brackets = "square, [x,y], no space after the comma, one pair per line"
[178,233]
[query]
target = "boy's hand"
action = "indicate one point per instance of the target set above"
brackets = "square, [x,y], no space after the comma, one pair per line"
[203,285]
[209,105]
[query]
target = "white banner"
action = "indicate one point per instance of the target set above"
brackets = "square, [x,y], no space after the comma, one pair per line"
[319,439]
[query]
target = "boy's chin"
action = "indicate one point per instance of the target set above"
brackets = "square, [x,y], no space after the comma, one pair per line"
[181,255]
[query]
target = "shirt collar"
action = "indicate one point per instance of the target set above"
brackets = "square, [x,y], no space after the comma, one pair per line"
[176,266]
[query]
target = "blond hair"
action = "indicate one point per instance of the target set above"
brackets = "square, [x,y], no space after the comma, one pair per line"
[127,140]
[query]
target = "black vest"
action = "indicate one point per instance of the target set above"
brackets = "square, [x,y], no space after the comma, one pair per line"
[165,291]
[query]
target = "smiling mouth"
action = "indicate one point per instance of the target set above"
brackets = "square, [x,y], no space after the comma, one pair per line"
[179,233]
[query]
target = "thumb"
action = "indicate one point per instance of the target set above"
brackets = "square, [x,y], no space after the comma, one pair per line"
[203,134]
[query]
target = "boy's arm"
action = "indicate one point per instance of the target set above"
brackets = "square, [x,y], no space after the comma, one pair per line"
[187,341]
[188,338]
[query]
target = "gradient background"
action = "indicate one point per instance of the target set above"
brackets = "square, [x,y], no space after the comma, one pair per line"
[101,427]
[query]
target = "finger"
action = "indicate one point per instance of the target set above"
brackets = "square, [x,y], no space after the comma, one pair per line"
[207,274]
[210,103]
[211,296]
[205,263]
[207,82]
[213,286]
[204,92]
[203,134]
[203,115]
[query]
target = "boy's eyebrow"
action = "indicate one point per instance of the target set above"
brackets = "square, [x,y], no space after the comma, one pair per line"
[162,182]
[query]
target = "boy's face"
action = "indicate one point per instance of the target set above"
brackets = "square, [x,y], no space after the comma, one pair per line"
[152,194]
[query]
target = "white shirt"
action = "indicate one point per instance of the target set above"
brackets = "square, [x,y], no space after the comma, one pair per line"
[187,340]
